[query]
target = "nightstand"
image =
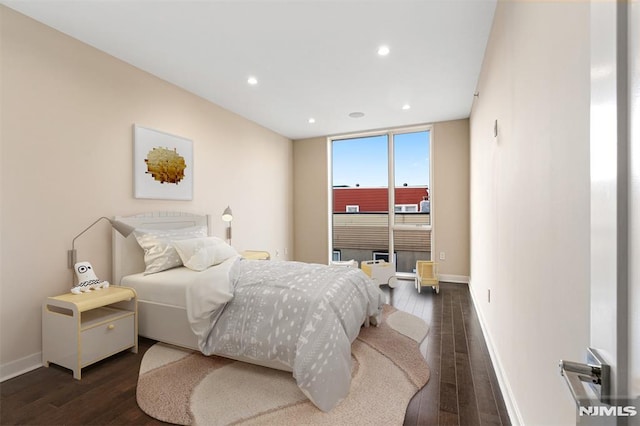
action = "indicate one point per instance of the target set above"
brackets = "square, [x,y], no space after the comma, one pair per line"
[256,255]
[81,329]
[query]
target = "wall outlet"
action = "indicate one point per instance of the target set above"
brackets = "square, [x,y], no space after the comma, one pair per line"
[277,252]
[442,256]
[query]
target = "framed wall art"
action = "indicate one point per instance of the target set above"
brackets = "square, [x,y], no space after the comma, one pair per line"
[162,165]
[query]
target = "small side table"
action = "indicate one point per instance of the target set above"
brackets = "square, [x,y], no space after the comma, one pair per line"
[81,329]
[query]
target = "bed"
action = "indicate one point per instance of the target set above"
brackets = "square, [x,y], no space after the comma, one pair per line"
[291,316]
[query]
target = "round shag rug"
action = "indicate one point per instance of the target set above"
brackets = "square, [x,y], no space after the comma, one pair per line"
[185,387]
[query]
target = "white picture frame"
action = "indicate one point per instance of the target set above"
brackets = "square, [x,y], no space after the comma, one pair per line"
[162,165]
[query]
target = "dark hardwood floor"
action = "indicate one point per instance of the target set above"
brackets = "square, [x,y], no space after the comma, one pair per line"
[462,390]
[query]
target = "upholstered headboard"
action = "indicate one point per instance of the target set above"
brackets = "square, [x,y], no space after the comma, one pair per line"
[128,257]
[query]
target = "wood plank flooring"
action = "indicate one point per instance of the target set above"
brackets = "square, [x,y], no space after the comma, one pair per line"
[462,390]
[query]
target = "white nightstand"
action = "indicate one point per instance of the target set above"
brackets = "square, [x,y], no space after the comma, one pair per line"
[80,329]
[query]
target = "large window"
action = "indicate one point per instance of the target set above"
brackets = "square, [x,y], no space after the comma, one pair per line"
[387,175]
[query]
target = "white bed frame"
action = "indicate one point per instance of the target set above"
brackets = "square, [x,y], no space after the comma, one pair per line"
[158,321]
[161,322]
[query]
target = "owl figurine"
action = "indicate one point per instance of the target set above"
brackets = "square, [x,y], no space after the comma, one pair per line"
[87,279]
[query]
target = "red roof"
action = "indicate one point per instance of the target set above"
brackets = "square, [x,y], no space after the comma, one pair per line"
[374,199]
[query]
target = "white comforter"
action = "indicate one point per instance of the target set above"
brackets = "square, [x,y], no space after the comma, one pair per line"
[303,316]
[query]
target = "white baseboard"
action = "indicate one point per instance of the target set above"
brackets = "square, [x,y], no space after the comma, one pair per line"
[503,382]
[461,279]
[20,366]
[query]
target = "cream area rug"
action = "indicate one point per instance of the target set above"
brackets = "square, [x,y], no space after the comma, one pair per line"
[186,387]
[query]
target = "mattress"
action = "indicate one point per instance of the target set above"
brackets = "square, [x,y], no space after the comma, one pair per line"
[166,287]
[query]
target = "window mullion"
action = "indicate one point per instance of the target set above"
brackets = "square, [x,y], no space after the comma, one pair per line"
[392,194]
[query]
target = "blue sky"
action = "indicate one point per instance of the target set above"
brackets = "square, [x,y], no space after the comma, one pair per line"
[364,160]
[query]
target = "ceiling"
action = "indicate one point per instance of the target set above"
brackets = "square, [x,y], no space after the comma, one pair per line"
[312,58]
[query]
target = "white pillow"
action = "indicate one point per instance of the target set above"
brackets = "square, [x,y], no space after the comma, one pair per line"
[159,253]
[200,253]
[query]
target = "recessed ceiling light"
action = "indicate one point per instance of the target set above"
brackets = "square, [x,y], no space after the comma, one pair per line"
[356,114]
[406,107]
[312,120]
[383,50]
[252,81]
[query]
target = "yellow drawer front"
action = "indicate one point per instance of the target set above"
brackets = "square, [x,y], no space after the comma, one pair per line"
[107,339]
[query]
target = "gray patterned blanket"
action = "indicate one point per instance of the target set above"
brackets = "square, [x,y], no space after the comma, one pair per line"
[304,316]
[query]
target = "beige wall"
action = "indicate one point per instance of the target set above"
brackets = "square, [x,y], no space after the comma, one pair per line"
[66,129]
[450,191]
[530,202]
[311,200]
[450,195]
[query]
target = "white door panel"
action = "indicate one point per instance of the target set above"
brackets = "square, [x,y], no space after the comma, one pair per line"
[615,171]
[604,182]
